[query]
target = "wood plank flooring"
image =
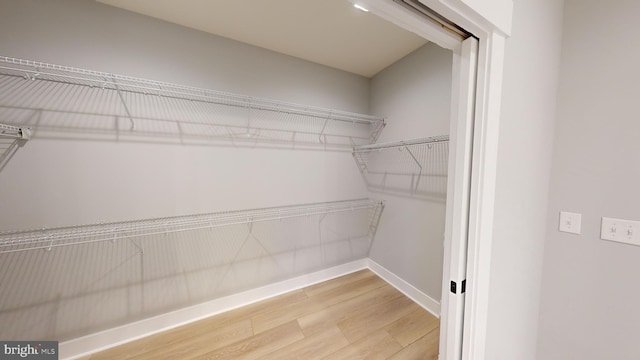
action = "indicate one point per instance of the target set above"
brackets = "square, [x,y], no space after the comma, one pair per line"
[356,316]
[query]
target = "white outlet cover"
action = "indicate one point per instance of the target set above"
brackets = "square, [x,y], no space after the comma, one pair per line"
[570,222]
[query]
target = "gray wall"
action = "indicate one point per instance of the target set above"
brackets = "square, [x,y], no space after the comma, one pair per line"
[414,94]
[51,182]
[524,161]
[89,34]
[590,294]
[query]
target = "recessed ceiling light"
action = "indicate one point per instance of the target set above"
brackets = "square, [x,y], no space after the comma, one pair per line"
[360,7]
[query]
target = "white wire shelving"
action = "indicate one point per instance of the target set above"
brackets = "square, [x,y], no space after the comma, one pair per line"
[415,167]
[62,99]
[48,239]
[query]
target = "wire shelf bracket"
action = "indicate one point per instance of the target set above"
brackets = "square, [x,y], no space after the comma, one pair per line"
[73,100]
[15,132]
[11,139]
[416,167]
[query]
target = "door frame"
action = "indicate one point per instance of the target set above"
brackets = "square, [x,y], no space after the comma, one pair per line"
[490,23]
[454,270]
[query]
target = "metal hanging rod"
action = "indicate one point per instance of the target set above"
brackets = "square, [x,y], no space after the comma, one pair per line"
[65,236]
[429,140]
[34,70]
[15,132]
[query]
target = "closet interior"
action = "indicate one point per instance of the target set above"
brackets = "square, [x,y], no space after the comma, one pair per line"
[126,198]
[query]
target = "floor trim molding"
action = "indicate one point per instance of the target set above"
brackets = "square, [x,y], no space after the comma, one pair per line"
[422,299]
[103,340]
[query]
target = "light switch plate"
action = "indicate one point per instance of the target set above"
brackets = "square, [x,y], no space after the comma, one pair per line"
[570,222]
[624,231]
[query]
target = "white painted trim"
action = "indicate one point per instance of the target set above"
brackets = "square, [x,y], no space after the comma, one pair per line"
[458,192]
[103,340]
[483,182]
[420,298]
[495,13]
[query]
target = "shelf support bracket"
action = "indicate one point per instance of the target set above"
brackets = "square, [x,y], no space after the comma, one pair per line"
[124,103]
[137,246]
[231,135]
[235,257]
[323,127]
[419,166]
[15,132]
[50,243]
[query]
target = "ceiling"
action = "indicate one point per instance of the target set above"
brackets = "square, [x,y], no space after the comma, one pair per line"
[327,32]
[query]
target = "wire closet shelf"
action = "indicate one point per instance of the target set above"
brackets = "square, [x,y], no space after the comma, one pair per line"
[47,239]
[414,167]
[402,143]
[67,99]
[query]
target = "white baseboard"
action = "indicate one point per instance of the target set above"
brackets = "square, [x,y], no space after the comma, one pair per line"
[404,287]
[103,340]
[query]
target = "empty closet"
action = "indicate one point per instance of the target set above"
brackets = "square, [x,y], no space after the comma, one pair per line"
[147,168]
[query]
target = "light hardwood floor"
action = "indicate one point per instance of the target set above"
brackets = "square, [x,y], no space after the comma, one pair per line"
[356,316]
